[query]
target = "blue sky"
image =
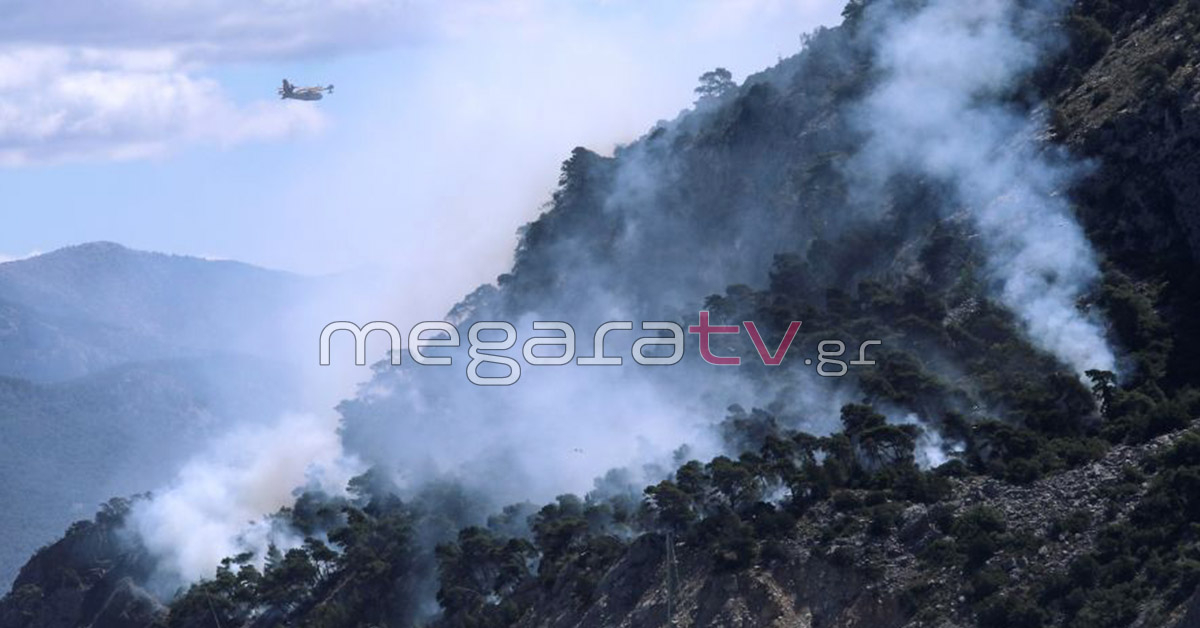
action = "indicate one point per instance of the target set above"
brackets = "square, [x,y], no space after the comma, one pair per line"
[445,132]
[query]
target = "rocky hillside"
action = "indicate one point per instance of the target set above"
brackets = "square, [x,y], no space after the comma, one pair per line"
[974,550]
[849,562]
[84,579]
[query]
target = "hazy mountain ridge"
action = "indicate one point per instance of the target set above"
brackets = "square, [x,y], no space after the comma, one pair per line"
[92,306]
[115,366]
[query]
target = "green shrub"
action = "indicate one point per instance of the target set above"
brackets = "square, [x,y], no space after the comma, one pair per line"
[979,534]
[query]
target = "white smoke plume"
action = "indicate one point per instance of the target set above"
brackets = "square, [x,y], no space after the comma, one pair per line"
[214,507]
[940,111]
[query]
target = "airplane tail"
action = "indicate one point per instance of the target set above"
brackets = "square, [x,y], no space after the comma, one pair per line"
[329,89]
[286,90]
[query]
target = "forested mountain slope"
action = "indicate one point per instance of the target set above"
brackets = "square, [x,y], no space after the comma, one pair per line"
[117,365]
[1023,454]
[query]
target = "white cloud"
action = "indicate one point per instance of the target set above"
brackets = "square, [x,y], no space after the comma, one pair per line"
[60,104]
[125,79]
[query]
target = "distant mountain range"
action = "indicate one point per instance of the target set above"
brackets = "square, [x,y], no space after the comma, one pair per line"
[85,308]
[115,366]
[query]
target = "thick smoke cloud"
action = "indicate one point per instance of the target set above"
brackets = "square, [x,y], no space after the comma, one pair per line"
[213,508]
[941,111]
[556,431]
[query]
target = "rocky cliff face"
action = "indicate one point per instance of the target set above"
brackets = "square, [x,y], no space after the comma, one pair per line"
[85,579]
[821,577]
[1136,110]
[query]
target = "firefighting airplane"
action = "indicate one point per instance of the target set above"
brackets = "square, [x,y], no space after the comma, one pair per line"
[302,93]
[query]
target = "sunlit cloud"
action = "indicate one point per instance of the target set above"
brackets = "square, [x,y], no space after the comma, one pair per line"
[130,79]
[127,79]
[62,105]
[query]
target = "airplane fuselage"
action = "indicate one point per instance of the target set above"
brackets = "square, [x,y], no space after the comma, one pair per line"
[304,95]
